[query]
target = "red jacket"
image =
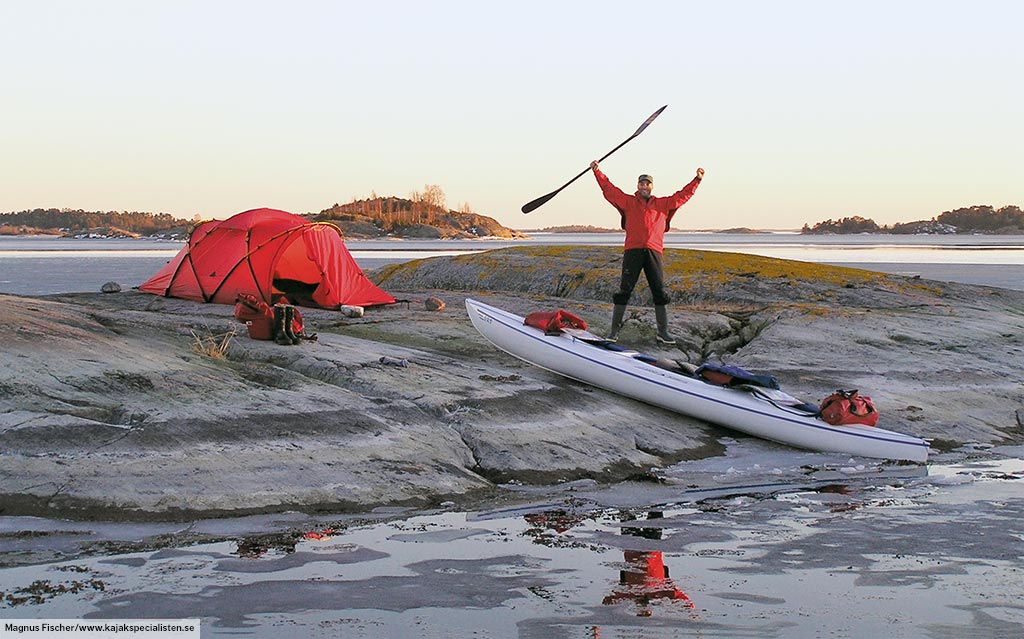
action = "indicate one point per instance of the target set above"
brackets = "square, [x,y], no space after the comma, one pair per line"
[645,222]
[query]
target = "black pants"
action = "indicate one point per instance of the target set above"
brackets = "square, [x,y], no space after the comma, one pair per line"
[648,261]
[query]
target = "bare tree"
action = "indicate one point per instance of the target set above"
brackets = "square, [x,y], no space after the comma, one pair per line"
[434,196]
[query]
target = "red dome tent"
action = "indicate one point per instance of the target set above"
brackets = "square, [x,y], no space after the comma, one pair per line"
[263,252]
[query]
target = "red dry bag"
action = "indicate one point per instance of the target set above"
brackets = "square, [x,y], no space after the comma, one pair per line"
[554,321]
[848,407]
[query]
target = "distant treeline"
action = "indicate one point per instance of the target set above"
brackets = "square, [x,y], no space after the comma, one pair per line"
[77,221]
[389,212]
[422,215]
[1008,220]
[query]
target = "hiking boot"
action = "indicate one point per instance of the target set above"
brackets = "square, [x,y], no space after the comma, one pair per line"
[661,315]
[280,325]
[289,325]
[617,314]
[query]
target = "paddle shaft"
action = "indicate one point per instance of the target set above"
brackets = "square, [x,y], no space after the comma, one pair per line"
[535,204]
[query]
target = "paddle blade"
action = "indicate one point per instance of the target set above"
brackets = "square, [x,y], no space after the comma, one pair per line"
[529,206]
[539,202]
[648,121]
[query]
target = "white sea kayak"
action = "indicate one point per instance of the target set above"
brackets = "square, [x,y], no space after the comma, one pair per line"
[629,373]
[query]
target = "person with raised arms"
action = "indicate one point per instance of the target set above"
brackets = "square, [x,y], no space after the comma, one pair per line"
[646,219]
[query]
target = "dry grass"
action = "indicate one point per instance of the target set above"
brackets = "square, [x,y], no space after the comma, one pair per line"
[212,345]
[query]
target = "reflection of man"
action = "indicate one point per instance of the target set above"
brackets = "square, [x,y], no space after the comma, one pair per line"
[645,579]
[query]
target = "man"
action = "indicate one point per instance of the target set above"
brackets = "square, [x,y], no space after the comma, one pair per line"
[646,219]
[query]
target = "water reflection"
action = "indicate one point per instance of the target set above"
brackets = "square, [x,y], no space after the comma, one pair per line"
[923,552]
[645,579]
[559,521]
[258,546]
[547,527]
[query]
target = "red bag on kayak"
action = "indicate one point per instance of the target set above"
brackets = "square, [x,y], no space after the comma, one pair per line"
[554,321]
[848,407]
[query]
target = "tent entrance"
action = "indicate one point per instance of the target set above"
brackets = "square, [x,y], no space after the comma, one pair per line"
[296,276]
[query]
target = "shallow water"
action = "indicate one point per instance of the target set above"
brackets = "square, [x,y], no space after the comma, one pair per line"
[756,544]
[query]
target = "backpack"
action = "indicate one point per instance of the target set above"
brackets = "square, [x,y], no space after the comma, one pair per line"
[256,314]
[848,407]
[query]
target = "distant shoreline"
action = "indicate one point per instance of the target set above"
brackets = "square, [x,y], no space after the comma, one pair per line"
[544,231]
[989,260]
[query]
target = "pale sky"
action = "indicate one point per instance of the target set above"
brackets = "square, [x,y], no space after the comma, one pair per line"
[798,111]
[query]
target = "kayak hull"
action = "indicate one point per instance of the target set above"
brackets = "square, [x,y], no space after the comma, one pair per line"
[737,409]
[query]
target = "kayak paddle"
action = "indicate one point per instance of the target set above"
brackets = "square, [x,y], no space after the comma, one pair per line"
[530,206]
